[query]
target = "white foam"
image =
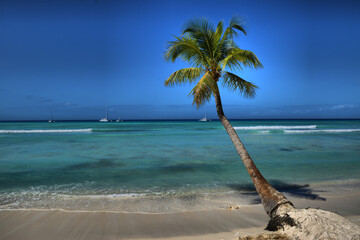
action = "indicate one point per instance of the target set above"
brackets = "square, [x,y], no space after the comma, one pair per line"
[265,131]
[275,127]
[323,131]
[47,131]
[115,195]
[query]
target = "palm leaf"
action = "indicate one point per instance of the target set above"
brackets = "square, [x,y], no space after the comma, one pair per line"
[219,30]
[186,48]
[237,58]
[203,90]
[184,75]
[236,23]
[204,32]
[236,83]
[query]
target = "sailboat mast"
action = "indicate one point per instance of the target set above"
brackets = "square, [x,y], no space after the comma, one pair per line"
[51,117]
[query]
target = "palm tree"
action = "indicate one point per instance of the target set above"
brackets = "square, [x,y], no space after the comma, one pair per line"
[210,51]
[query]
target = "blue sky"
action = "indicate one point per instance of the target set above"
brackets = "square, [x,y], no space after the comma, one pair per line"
[76,57]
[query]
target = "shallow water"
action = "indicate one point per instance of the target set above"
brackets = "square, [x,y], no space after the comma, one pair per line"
[44,165]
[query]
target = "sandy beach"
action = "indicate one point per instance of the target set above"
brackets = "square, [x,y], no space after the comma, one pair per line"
[212,224]
[180,120]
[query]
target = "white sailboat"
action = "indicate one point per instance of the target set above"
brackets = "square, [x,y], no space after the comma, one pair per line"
[204,119]
[105,119]
[51,118]
[118,119]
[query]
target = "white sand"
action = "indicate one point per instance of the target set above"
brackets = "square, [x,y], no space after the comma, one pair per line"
[321,225]
[212,224]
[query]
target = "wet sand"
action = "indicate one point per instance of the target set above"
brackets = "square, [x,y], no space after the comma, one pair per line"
[212,224]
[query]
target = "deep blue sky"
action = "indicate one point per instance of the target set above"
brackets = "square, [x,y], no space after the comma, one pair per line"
[76,57]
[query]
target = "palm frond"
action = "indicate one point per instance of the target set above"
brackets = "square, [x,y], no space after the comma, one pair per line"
[219,45]
[236,83]
[198,26]
[236,23]
[219,30]
[237,58]
[204,32]
[186,48]
[183,76]
[203,90]
[226,43]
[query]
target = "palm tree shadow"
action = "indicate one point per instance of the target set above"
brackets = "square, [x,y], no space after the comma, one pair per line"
[295,190]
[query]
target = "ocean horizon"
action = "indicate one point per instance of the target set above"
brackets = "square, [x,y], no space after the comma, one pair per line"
[168,165]
[185,119]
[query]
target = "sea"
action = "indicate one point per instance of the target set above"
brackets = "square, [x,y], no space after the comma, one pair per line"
[168,166]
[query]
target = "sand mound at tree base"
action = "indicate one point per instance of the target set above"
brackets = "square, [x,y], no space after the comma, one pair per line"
[311,224]
[268,236]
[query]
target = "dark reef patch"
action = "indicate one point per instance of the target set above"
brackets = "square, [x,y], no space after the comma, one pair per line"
[290,149]
[101,163]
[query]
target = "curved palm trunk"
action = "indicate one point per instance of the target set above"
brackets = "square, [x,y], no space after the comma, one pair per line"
[273,201]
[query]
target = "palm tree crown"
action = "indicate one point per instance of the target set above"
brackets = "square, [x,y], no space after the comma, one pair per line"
[211,51]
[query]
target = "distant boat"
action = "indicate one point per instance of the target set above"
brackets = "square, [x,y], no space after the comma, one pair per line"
[118,119]
[51,118]
[205,119]
[105,119]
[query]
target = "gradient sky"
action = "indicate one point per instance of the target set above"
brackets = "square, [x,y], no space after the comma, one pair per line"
[73,58]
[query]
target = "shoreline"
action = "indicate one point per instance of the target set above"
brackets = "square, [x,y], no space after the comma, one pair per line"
[191,201]
[208,224]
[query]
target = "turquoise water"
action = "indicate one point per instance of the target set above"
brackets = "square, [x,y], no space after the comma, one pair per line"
[42,162]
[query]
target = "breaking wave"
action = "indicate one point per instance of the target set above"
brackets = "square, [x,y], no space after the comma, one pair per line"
[275,127]
[48,131]
[323,131]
